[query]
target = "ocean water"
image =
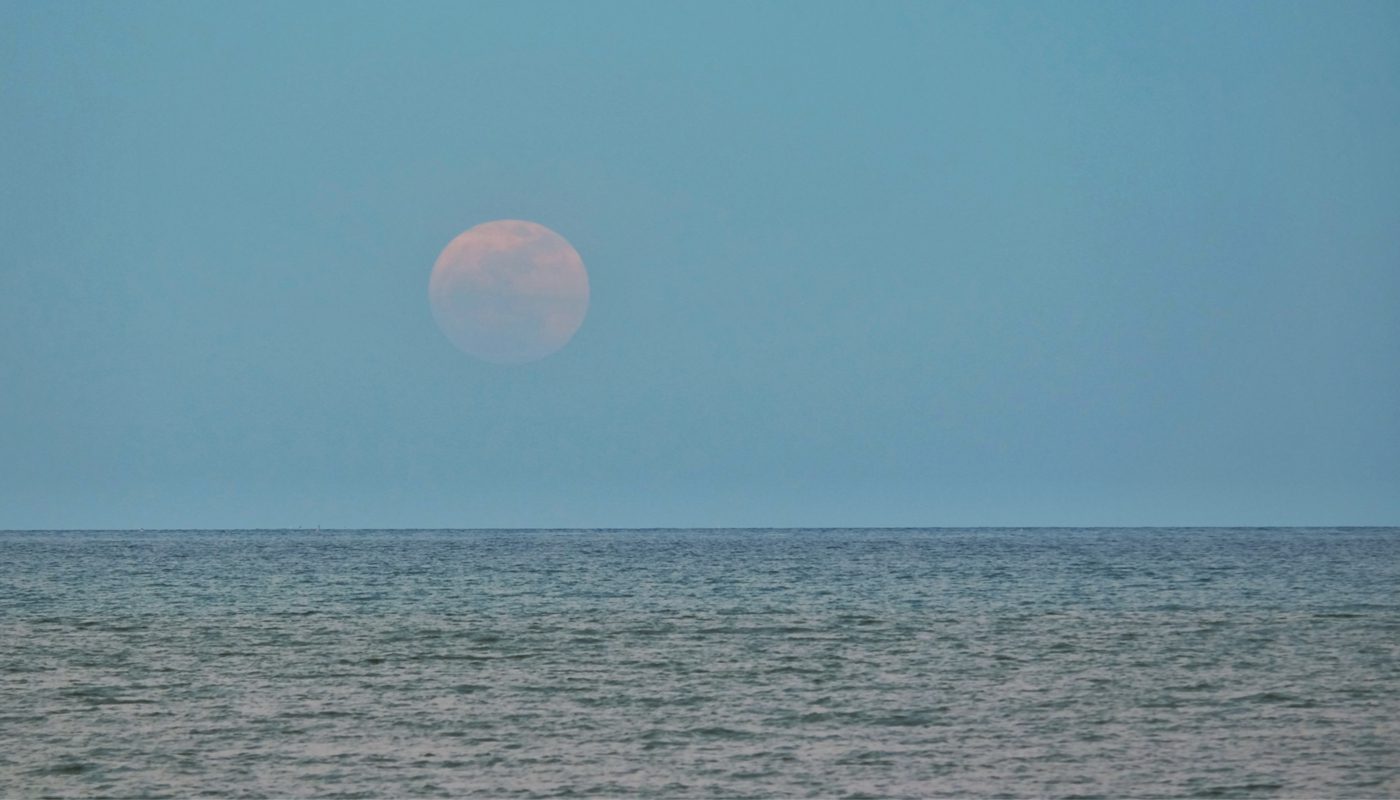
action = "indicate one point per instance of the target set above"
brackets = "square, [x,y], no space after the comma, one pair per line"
[704,663]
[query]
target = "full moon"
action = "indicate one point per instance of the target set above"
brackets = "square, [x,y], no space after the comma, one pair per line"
[509,291]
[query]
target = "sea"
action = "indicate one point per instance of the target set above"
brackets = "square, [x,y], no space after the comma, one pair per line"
[851,663]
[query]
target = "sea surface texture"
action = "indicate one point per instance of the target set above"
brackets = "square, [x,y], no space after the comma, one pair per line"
[735,663]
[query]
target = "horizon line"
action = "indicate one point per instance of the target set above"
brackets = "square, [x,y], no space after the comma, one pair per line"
[670,528]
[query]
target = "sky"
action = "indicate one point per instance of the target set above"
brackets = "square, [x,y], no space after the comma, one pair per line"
[889,264]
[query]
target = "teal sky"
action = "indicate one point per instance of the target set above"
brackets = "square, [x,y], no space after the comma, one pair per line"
[851,264]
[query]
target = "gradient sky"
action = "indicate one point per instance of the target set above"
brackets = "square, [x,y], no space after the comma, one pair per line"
[851,264]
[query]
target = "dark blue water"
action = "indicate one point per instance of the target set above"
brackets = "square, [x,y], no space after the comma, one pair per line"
[743,663]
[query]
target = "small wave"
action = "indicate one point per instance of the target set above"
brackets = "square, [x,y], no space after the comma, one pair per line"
[788,669]
[105,696]
[1272,698]
[858,619]
[909,719]
[328,713]
[469,657]
[1239,789]
[720,732]
[867,757]
[62,768]
[1199,686]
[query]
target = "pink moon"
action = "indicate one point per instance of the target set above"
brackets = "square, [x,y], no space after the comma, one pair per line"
[509,291]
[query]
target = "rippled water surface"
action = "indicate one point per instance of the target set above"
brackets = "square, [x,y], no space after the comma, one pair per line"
[835,663]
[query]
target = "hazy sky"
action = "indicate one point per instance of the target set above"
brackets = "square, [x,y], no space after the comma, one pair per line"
[851,264]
